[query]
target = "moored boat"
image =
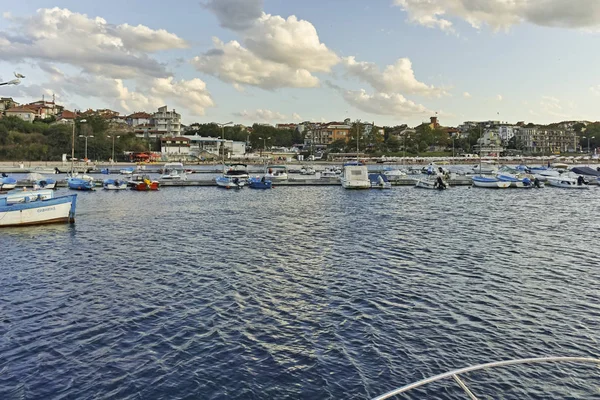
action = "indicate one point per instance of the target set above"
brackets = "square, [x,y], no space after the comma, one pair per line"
[173,172]
[355,176]
[379,181]
[239,171]
[276,173]
[144,184]
[229,182]
[80,184]
[432,184]
[489,182]
[259,183]
[35,208]
[394,174]
[567,182]
[7,183]
[127,171]
[114,184]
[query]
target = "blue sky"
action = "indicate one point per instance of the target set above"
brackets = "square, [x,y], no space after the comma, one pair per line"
[513,64]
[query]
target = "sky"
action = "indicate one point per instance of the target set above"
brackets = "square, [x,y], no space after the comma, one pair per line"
[275,61]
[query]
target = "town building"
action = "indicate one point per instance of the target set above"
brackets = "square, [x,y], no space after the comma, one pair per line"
[167,123]
[66,117]
[138,118]
[45,109]
[489,144]
[286,126]
[543,140]
[325,134]
[6,103]
[175,147]
[201,146]
[23,112]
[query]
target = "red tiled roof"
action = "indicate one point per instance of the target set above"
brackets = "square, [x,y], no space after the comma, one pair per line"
[66,114]
[21,109]
[138,115]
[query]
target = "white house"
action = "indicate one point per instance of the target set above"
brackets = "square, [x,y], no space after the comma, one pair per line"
[201,144]
[22,112]
[167,123]
[175,147]
[139,118]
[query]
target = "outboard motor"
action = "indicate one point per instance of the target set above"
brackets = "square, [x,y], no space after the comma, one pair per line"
[440,183]
[580,180]
[536,183]
[4,175]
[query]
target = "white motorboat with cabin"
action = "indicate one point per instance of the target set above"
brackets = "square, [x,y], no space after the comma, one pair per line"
[394,174]
[355,175]
[276,173]
[173,172]
[567,182]
[308,170]
[239,171]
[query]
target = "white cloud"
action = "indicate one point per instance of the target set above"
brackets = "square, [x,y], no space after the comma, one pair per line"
[232,63]
[272,51]
[467,95]
[296,117]
[289,41]
[261,115]
[552,106]
[381,103]
[501,14]
[499,97]
[60,35]
[398,77]
[191,95]
[595,90]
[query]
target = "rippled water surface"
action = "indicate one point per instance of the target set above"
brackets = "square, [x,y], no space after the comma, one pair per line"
[315,292]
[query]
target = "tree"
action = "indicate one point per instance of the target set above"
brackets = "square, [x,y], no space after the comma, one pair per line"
[392,144]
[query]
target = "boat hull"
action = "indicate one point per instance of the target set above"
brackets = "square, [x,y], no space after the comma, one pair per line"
[356,185]
[56,210]
[228,183]
[430,185]
[144,187]
[565,183]
[490,183]
[257,183]
[44,184]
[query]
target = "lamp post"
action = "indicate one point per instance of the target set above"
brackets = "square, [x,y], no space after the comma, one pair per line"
[86,142]
[113,148]
[83,121]
[223,135]
[264,143]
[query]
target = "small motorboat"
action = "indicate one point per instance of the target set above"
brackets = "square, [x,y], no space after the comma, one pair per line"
[105,171]
[276,173]
[229,182]
[515,181]
[567,182]
[7,183]
[485,169]
[173,172]
[127,171]
[394,174]
[144,184]
[379,181]
[114,184]
[308,170]
[489,182]
[259,183]
[39,182]
[25,208]
[432,184]
[80,184]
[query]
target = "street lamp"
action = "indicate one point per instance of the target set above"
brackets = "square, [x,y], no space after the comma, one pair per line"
[13,82]
[83,121]
[113,150]
[223,135]
[588,139]
[86,141]
[264,144]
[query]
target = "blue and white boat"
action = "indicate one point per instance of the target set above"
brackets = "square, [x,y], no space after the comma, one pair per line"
[80,184]
[489,182]
[229,182]
[25,208]
[127,171]
[114,184]
[7,183]
[379,181]
[516,181]
[259,183]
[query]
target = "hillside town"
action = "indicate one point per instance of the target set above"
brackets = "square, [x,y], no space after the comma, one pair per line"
[160,135]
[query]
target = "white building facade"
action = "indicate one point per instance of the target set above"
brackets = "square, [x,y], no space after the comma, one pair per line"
[167,123]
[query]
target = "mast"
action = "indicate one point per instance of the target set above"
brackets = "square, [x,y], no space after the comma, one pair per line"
[357,138]
[73,148]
